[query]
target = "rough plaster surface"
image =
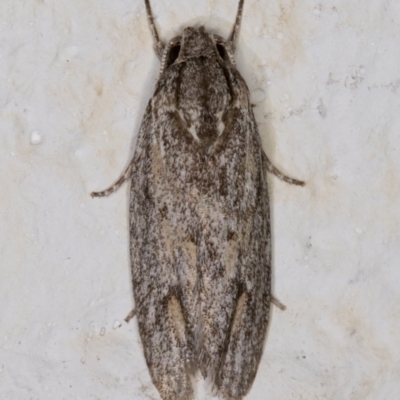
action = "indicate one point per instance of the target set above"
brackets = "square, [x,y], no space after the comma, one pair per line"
[75,79]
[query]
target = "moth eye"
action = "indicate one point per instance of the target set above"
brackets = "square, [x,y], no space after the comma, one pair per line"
[222,51]
[173,54]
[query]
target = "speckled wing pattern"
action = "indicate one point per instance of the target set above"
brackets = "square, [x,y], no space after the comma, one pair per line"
[200,228]
[200,239]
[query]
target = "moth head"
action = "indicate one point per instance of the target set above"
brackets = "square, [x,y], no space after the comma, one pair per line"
[195,42]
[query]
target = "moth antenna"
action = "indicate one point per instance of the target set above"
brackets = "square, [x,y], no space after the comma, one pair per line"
[158,46]
[235,31]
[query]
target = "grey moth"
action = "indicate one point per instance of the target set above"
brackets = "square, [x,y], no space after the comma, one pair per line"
[200,235]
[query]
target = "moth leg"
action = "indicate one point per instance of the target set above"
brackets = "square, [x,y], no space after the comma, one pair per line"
[275,302]
[282,177]
[126,175]
[158,46]
[130,315]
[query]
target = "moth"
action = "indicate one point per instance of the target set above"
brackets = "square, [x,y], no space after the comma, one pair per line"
[200,234]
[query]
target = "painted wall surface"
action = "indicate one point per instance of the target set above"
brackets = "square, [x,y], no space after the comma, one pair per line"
[75,79]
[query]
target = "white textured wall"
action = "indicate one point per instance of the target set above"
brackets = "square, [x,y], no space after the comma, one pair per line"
[75,79]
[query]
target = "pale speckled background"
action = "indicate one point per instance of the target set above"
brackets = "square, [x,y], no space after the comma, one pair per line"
[75,79]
